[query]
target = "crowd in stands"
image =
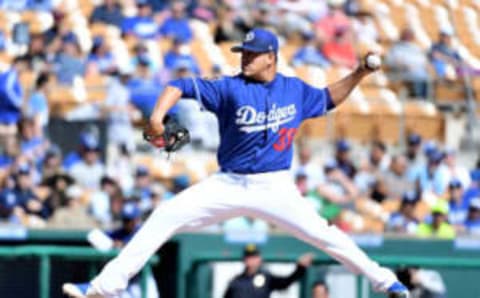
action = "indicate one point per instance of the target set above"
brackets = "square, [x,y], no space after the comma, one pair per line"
[128,50]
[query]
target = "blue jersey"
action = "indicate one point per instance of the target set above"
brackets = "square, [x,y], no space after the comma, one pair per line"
[257,121]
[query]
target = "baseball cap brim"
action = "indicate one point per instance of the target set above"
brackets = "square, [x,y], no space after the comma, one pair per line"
[241,48]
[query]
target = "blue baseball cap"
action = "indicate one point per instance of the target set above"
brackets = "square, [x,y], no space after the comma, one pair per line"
[259,41]
[89,141]
[455,183]
[142,171]
[343,145]
[131,211]
[414,139]
[410,197]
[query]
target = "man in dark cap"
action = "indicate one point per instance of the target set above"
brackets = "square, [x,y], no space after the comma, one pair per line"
[256,282]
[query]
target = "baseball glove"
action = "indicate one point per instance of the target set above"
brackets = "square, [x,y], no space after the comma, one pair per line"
[174,136]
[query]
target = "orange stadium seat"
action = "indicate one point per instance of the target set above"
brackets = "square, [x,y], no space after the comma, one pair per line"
[424,119]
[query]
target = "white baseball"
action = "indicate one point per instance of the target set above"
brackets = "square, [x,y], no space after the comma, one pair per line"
[373,61]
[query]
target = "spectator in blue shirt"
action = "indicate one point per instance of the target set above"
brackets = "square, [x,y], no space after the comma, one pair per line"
[413,155]
[101,56]
[142,54]
[442,54]
[180,54]
[110,12]
[37,107]
[144,88]
[474,190]
[458,207]
[472,223]
[69,63]
[24,195]
[310,53]
[177,25]
[131,216]
[343,160]
[142,25]
[434,176]
[32,145]
[409,64]
[405,221]
[8,152]
[11,94]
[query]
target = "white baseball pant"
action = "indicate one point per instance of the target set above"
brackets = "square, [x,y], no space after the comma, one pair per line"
[269,196]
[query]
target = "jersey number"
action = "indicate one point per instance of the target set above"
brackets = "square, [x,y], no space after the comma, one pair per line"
[285,138]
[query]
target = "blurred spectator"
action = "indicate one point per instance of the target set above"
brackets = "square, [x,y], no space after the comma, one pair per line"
[320,290]
[142,189]
[204,10]
[230,27]
[58,185]
[405,221]
[310,53]
[74,214]
[131,222]
[456,170]
[86,140]
[457,207]
[342,156]
[422,283]
[9,151]
[101,56]
[100,201]
[434,176]
[11,96]
[24,193]
[32,143]
[307,167]
[52,162]
[444,57]
[291,17]
[119,112]
[364,28]
[142,54]
[256,282]
[110,12]
[179,54]
[144,88]
[131,219]
[339,50]
[37,52]
[121,167]
[89,170]
[408,63]
[37,106]
[414,158]
[473,190]
[69,62]
[396,179]
[472,223]
[142,25]
[327,209]
[260,15]
[10,212]
[337,187]
[379,157]
[177,26]
[334,20]
[439,226]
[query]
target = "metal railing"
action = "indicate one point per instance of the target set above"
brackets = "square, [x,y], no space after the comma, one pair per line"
[74,253]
